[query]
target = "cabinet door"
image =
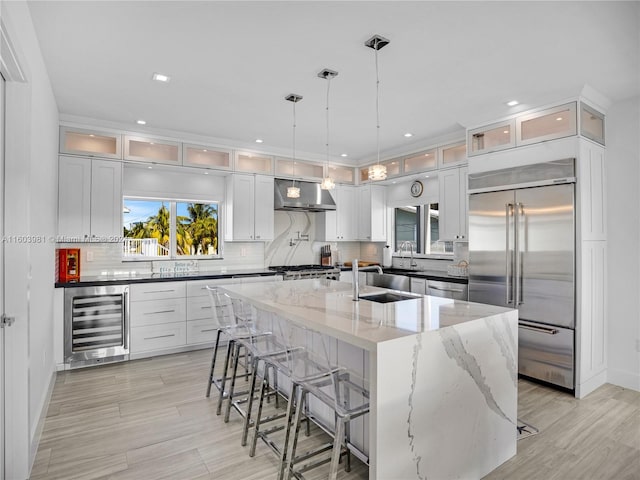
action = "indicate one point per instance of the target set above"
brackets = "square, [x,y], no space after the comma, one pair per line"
[74,197]
[464,203]
[364,213]
[106,200]
[263,210]
[591,185]
[90,142]
[449,183]
[378,213]
[242,207]
[345,213]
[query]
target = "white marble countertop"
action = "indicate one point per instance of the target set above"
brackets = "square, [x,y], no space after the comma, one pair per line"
[327,306]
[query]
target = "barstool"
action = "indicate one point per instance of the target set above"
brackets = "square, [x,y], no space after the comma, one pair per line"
[298,365]
[345,392]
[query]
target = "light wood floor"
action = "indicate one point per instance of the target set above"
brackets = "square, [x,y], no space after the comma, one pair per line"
[149,420]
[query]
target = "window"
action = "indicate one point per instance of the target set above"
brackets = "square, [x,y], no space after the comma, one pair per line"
[418,224]
[161,228]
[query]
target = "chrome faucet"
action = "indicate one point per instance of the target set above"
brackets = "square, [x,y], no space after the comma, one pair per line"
[403,246]
[356,280]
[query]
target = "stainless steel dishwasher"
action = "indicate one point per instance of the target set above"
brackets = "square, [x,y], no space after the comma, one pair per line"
[96,325]
[457,291]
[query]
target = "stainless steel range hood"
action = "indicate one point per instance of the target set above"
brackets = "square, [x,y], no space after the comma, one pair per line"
[312,197]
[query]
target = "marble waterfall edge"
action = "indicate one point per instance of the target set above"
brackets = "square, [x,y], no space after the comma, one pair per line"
[459,401]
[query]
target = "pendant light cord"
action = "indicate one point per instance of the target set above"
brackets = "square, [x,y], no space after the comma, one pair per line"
[327,112]
[377,105]
[293,166]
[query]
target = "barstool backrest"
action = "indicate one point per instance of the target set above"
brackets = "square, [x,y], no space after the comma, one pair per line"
[221,308]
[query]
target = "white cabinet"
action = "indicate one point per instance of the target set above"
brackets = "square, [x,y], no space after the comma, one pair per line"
[339,225]
[591,191]
[249,202]
[157,316]
[152,149]
[89,198]
[453,204]
[372,218]
[92,143]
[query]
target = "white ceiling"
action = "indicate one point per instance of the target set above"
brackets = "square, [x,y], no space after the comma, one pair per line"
[449,65]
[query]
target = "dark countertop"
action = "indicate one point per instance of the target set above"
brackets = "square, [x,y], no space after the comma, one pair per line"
[117,279]
[437,275]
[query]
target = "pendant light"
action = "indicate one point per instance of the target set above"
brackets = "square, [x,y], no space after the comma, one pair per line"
[293,191]
[327,181]
[377,171]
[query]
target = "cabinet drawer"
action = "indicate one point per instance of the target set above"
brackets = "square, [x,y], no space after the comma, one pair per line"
[196,288]
[156,337]
[201,331]
[199,308]
[157,291]
[153,312]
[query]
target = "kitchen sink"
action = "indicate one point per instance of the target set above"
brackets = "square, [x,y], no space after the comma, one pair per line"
[386,280]
[388,297]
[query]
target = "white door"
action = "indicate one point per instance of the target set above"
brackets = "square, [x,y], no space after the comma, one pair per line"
[2,463]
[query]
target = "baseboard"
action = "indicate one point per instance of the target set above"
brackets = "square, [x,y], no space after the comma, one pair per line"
[35,439]
[585,388]
[624,379]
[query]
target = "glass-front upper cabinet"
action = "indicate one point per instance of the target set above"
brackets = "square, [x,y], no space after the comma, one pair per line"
[549,124]
[206,157]
[253,162]
[454,154]
[307,170]
[149,149]
[92,143]
[342,174]
[497,136]
[420,162]
[591,124]
[394,168]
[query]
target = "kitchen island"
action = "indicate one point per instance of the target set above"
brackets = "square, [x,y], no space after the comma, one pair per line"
[443,374]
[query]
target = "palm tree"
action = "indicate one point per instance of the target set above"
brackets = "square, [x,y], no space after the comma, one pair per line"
[203,225]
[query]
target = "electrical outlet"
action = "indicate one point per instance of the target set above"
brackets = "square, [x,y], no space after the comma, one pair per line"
[89,256]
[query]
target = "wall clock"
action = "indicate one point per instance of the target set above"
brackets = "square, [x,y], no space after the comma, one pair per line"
[416,188]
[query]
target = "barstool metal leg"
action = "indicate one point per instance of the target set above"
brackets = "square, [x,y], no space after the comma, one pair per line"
[252,389]
[213,362]
[256,424]
[291,444]
[284,468]
[337,447]
[233,382]
[225,369]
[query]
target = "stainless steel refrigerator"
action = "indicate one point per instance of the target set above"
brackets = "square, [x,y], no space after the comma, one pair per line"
[522,255]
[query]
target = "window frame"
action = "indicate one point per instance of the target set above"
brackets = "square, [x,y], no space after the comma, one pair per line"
[173,219]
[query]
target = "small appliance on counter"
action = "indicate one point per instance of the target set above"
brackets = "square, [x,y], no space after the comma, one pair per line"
[68,264]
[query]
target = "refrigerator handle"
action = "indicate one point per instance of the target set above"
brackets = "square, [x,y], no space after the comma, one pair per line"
[508,253]
[520,241]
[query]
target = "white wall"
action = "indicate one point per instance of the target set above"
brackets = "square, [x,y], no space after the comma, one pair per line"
[623,222]
[31,211]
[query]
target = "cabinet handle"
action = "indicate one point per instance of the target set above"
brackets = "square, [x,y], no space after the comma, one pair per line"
[160,311]
[257,236]
[447,289]
[207,307]
[160,336]
[209,330]
[160,291]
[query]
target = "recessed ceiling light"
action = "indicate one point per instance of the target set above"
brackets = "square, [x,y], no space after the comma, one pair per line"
[141,122]
[393,183]
[160,77]
[259,140]
[204,149]
[91,135]
[206,173]
[506,131]
[149,167]
[408,134]
[344,155]
[513,103]
[426,154]
[559,118]
[426,176]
